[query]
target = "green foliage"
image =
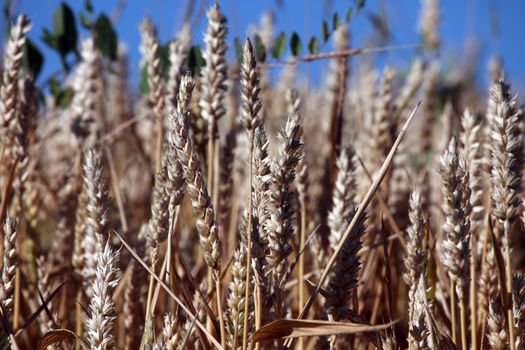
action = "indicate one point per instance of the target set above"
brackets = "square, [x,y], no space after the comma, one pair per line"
[63,97]
[85,21]
[64,30]
[238,50]
[105,37]
[279,46]
[32,59]
[260,50]
[313,45]
[195,61]
[163,54]
[88,6]
[335,21]
[295,44]
[64,37]
[325,31]
[349,13]
[143,83]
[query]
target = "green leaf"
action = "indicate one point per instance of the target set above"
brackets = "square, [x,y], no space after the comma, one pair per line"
[279,46]
[6,11]
[65,97]
[88,6]
[143,84]
[54,87]
[260,50]
[85,21]
[295,44]
[238,50]
[32,59]
[348,15]
[65,29]
[105,37]
[360,4]
[313,45]
[326,31]
[195,61]
[164,57]
[49,39]
[335,21]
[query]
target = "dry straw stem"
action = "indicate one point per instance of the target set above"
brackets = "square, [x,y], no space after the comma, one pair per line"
[361,208]
[342,53]
[170,293]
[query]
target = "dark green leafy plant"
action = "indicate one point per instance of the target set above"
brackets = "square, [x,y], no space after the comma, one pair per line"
[33,59]
[295,44]
[279,46]
[105,37]
[313,45]
[64,37]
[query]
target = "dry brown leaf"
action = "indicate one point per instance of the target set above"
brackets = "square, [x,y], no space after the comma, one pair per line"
[312,328]
[58,335]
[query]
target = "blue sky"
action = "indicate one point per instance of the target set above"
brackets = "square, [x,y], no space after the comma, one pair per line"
[461,19]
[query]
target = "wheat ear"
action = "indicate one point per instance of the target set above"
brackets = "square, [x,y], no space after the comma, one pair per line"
[456,244]
[9,267]
[13,55]
[497,336]
[506,150]
[85,105]
[96,214]
[100,322]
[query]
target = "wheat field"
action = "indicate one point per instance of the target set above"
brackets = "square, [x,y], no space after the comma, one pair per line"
[224,208]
